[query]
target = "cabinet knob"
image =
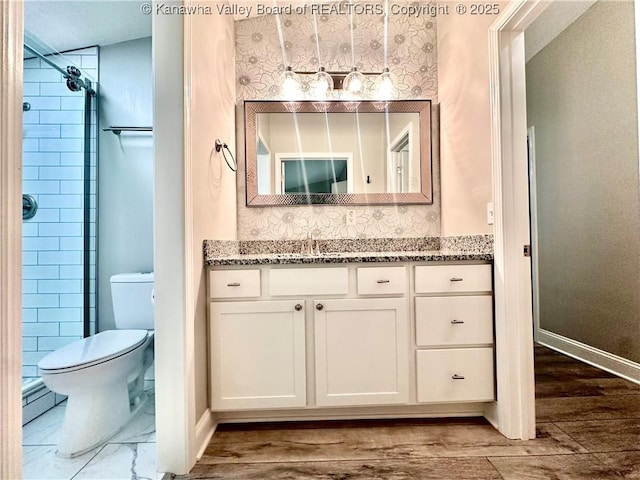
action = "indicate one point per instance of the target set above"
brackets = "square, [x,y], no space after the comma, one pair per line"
[298,307]
[457,377]
[319,306]
[455,279]
[457,322]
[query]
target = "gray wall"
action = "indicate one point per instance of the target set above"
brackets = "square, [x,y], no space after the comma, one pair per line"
[581,98]
[125,173]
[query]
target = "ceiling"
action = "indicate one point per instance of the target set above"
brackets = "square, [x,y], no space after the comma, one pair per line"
[64,25]
[551,23]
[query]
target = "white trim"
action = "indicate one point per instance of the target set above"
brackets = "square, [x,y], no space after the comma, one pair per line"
[11,31]
[392,153]
[175,378]
[424,410]
[533,208]
[593,356]
[514,412]
[205,429]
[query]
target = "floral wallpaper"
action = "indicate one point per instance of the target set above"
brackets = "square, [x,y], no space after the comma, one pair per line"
[267,44]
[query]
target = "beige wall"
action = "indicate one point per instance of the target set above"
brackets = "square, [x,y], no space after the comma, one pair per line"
[581,99]
[465,133]
[213,183]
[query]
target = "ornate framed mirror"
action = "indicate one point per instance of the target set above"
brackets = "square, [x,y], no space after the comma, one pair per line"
[338,153]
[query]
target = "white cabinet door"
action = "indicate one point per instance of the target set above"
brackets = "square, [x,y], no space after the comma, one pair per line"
[257,355]
[361,351]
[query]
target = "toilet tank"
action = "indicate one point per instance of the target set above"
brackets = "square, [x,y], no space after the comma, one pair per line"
[132,297]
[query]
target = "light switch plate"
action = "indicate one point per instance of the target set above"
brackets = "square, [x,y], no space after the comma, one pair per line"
[490,213]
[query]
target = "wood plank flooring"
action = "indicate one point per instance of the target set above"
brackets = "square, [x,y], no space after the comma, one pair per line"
[588,428]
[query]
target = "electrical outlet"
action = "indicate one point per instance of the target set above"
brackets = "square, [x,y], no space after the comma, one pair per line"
[490,213]
[350,217]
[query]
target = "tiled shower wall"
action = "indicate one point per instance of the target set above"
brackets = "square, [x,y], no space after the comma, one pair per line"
[53,173]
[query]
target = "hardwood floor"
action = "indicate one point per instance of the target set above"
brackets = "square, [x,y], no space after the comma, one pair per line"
[588,428]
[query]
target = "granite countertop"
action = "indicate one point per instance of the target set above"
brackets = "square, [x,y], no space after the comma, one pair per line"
[475,247]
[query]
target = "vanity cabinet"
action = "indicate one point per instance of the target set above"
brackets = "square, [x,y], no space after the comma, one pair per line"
[257,354]
[454,333]
[303,341]
[361,350]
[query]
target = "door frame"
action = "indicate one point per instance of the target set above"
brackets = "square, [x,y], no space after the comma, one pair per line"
[514,412]
[11,74]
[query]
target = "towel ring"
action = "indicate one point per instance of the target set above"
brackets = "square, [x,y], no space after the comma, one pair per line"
[221,146]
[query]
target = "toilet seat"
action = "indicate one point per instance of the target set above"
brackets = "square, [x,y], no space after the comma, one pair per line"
[92,350]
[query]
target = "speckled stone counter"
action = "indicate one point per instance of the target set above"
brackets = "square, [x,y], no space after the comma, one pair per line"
[253,252]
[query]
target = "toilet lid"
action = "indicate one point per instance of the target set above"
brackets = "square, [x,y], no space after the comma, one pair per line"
[95,349]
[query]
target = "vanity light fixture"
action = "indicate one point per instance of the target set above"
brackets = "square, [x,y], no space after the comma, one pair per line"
[291,85]
[322,84]
[354,82]
[384,85]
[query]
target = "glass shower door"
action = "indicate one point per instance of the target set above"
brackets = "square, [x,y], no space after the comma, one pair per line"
[59,207]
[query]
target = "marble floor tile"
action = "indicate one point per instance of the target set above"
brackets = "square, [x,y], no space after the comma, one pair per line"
[627,464]
[555,467]
[141,428]
[605,435]
[586,387]
[44,430]
[439,439]
[587,408]
[424,469]
[42,463]
[122,461]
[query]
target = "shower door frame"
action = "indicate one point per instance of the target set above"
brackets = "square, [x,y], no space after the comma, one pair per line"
[90,94]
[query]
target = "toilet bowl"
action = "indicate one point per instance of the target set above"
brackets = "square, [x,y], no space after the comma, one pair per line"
[103,375]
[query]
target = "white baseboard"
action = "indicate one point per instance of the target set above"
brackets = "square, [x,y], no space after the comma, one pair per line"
[205,429]
[593,356]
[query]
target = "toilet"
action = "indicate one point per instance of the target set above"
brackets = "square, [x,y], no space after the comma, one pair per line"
[103,375]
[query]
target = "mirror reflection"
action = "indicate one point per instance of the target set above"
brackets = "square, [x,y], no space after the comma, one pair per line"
[338,152]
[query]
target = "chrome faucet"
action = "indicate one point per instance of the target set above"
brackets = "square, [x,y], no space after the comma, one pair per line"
[307,245]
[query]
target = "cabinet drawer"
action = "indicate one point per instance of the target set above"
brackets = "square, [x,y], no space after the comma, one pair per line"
[452,278]
[454,320]
[455,375]
[234,283]
[308,281]
[381,280]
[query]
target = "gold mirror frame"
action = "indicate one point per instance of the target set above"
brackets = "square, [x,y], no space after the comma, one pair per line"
[253,108]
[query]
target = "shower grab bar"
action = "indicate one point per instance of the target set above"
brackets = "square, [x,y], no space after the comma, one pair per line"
[117,130]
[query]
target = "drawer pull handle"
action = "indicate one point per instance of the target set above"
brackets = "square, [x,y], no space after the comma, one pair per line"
[298,307]
[383,281]
[319,306]
[456,279]
[457,322]
[457,377]
[233,284]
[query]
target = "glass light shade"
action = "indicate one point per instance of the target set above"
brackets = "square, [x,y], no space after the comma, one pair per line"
[354,82]
[384,86]
[291,87]
[322,84]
